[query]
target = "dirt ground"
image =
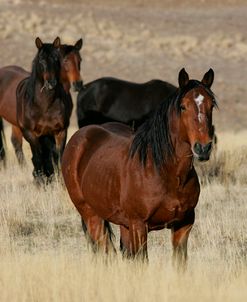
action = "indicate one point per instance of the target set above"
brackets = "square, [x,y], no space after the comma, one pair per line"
[141,40]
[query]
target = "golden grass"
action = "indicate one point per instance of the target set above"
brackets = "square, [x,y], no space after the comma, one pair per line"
[44,256]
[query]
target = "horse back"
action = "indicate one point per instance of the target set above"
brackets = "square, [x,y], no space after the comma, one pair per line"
[120,100]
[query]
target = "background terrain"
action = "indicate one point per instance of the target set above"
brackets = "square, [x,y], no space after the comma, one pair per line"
[43,253]
[140,40]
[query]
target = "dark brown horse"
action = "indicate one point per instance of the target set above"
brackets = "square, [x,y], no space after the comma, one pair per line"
[43,109]
[146,181]
[11,76]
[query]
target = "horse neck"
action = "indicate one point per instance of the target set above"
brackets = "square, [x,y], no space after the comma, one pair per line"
[182,161]
[64,81]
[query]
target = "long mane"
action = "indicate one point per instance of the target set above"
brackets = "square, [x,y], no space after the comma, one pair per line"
[155,135]
[31,81]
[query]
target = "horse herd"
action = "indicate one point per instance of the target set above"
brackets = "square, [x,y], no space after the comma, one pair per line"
[131,161]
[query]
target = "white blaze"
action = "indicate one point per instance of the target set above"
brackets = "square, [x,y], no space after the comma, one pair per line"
[199,101]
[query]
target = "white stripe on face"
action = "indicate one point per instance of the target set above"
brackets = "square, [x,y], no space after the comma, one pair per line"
[199,101]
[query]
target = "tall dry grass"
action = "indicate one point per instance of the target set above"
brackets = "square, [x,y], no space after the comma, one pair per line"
[44,256]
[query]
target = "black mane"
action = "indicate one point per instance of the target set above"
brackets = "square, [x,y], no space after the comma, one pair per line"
[49,50]
[154,134]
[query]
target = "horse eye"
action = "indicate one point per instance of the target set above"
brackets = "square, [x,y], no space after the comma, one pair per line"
[182,108]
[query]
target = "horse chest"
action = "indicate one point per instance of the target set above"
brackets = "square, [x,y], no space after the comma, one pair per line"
[170,210]
[161,203]
[49,125]
[45,121]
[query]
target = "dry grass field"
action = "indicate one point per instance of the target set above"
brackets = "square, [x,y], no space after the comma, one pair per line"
[43,253]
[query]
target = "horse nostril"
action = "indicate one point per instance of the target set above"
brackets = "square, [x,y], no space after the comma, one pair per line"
[52,83]
[198,148]
[208,147]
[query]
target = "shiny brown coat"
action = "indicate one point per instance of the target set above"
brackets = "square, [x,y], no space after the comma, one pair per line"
[111,177]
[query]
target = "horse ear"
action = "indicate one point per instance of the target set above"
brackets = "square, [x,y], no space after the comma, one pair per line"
[78,44]
[208,78]
[183,78]
[57,42]
[38,43]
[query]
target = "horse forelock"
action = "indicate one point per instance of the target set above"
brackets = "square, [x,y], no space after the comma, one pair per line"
[47,49]
[155,135]
[66,49]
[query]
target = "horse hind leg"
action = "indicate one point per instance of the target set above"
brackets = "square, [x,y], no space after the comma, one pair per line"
[98,231]
[16,139]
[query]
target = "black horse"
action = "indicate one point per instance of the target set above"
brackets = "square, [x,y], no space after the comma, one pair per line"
[110,100]
[44,109]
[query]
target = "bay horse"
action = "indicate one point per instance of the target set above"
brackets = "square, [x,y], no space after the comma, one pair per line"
[114,100]
[144,181]
[11,76]
[43,109]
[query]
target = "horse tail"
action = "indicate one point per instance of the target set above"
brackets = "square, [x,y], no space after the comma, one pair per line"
[2,141]
[109,230]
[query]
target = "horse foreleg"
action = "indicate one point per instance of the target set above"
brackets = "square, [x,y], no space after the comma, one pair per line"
[16,139]
[137,240]
[36,153]
[180,235]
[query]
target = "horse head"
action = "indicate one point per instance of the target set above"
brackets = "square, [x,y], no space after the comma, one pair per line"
[196,107]
[71,65]
[47,63]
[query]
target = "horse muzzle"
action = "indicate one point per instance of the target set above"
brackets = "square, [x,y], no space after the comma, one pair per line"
[202,152]
[51,84]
